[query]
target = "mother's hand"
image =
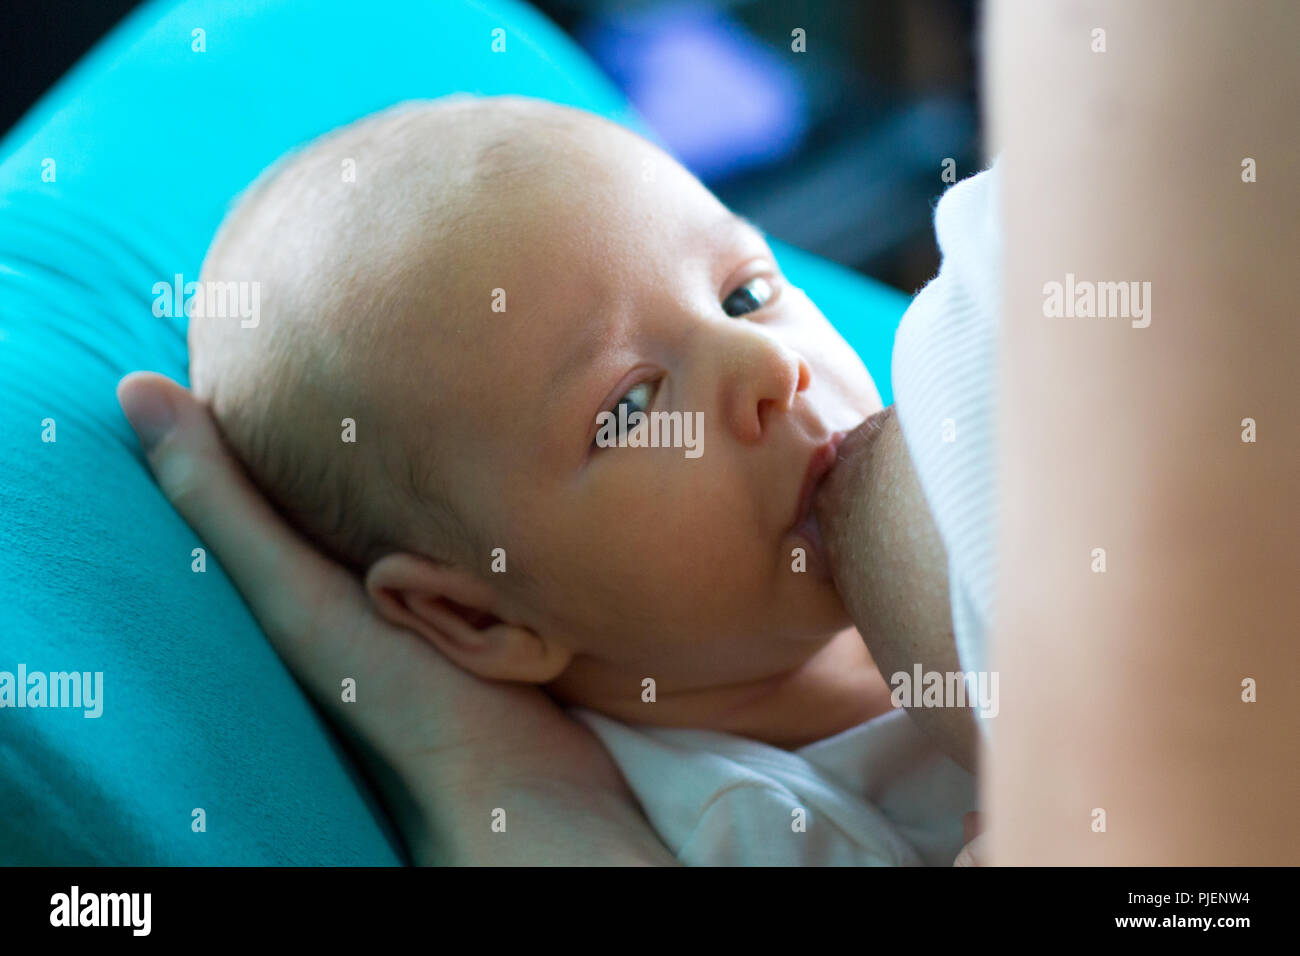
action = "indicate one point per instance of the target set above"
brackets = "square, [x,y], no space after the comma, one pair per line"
[444,747]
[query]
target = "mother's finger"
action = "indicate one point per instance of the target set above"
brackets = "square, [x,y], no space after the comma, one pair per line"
[285,581]
[972,854]
[315,612]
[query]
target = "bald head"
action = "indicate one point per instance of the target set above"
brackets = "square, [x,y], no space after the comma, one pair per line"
[363,244]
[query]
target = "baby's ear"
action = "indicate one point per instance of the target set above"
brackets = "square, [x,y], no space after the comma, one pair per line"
[456,611]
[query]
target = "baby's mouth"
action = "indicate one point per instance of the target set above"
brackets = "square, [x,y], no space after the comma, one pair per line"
[811,531]
[844,484]
[805,523]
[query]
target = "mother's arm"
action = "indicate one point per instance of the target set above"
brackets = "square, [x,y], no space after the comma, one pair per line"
[444,748]
[1122,691]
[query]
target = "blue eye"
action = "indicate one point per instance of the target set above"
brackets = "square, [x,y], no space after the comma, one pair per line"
[745,300]
[639,404]
[635,399]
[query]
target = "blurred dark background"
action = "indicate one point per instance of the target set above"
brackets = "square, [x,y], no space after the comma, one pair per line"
[838,149]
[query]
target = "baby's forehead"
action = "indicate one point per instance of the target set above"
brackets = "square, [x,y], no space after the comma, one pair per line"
[503,225]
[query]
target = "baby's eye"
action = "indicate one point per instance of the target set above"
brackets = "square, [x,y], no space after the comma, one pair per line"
[753,295]
[636,399]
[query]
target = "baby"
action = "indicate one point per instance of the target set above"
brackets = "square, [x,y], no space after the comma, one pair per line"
[452,293]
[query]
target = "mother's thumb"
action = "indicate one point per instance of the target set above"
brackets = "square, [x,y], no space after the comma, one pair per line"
[145,401]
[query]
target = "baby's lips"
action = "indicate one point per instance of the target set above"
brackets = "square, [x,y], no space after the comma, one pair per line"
[847,478]
[833,497]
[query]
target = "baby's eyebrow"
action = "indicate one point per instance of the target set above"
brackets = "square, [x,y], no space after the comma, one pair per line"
[585,351]
[581,357]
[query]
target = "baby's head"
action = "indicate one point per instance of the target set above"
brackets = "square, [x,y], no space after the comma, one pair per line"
[471,282]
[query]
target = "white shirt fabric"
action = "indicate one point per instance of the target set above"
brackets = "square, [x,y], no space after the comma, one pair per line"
[878,794]
[944,376]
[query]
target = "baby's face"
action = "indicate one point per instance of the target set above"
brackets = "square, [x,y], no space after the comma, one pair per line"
[619,272]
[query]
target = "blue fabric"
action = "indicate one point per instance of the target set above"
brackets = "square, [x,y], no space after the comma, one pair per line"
[150,140]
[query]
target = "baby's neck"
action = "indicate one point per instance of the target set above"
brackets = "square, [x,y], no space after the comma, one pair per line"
[837,688]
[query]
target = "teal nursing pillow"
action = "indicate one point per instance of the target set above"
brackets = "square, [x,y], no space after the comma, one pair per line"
[203,749]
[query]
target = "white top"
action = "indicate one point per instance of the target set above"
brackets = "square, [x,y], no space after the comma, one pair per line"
[945,357]
[878,794]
